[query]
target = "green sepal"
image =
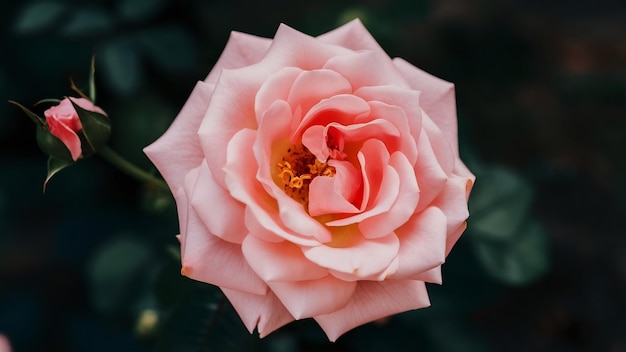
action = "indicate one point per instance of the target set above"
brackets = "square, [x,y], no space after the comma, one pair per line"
[54,166]
[36,118]
[49,100]
[92,80]
[96,129]
[52,145]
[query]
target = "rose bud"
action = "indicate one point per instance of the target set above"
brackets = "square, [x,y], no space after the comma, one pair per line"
[65,124]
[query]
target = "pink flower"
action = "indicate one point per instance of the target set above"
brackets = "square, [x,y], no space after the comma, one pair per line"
[316,177]
[64,123]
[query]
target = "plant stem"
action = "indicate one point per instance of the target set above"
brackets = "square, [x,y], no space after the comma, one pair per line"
[130,169]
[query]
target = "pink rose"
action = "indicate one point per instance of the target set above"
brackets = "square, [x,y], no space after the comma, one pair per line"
[64,123]
[316,177]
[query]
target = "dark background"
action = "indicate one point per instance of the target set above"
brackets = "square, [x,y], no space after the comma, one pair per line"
[541,92]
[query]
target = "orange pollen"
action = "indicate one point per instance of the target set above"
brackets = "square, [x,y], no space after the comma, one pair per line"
[297,169]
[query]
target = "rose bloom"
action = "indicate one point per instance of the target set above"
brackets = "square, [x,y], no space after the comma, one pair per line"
[316,177]
[64,123]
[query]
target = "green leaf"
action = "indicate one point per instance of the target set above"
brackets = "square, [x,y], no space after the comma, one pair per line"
[96,127]
[54,166]
[39,16]
[519,261]
[36,118]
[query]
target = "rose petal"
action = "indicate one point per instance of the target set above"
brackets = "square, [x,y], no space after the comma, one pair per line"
[406,99]
[452,201]
[381,181]
[338,194]
[265,312]
[291,48]
[403,206]
[178,150]
[352,35]
[208,258]
[282,261]
[305,299]
[66,135]
[440,145]
[275,88]
[313,86]
[241,50]
[422,243]
[224,220]
[397,117]
[437,99]
[373,300]
[431,178]
[357,257]
[341,109]
[352,67]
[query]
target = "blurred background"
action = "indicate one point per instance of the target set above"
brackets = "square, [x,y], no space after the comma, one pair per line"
[541,90]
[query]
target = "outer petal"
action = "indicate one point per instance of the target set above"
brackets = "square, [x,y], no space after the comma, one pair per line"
[224,220]
[431,178]
[282,261]
[422,243]
[305,299]
[208,258]
[265,312]
[178,150]
[437,99]
[352,35]
[453,202]
[374,300]
[352,66]
[241,50]
[357,258]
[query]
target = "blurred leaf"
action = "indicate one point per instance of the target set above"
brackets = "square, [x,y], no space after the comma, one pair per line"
[119,271]
[519,261]
[202,320]
[136,10]
[88,21]
[121,67]
[509,243]
[499,203]
[54,166]
[38,16]
[169,47]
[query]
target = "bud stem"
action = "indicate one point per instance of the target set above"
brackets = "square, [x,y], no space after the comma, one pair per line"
[130,169]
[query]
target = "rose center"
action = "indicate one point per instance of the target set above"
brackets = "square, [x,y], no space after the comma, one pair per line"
[297,168]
